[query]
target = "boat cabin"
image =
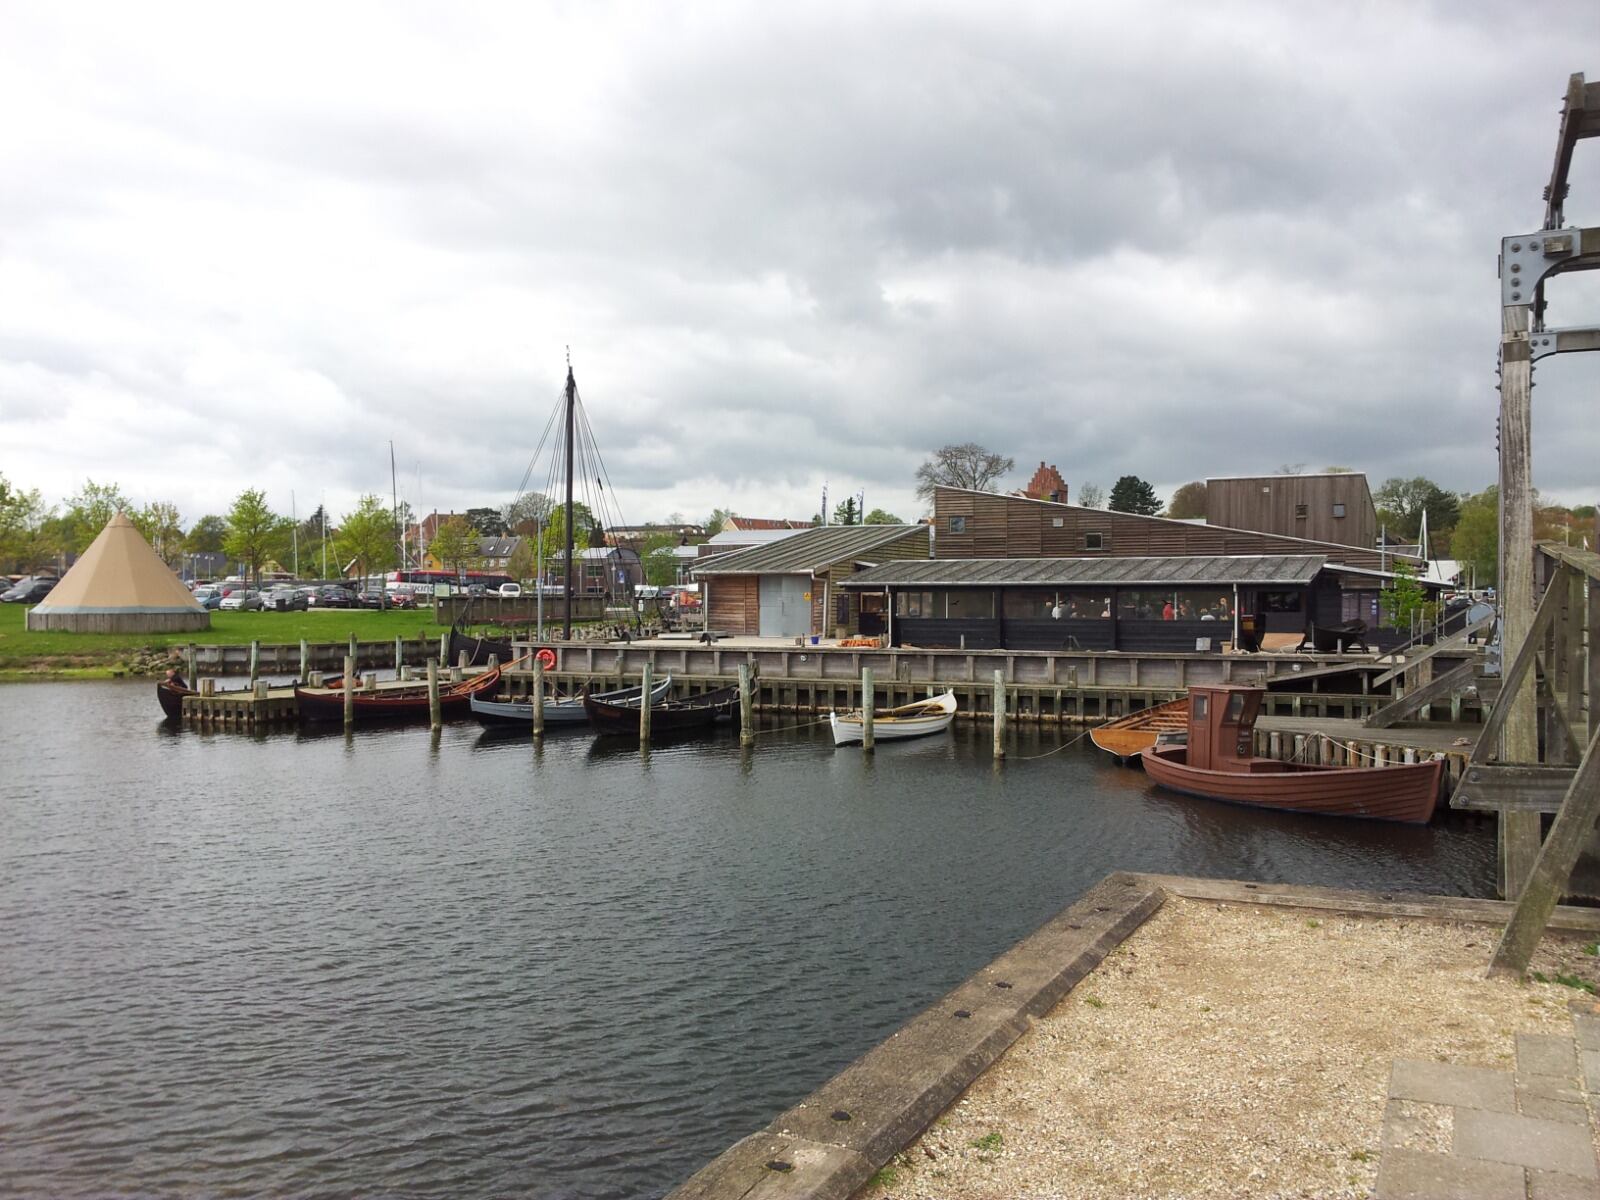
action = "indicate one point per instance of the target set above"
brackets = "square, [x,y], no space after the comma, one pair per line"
[1222,723]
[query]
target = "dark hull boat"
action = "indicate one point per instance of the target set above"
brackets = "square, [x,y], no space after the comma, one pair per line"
[407,703]
[669,716]
[567,711]
[171,697]
[477,649]
[1218,764]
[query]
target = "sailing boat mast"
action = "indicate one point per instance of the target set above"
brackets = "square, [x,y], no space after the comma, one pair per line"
[572,395]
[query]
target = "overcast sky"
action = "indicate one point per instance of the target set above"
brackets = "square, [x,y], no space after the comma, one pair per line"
[249,245]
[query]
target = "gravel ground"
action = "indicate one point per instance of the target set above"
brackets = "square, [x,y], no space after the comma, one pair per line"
[1232,1050]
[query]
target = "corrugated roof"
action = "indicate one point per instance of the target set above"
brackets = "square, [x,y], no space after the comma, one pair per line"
[1089,572]
[808,550]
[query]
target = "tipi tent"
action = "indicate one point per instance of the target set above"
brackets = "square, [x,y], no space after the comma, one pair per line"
[119,585]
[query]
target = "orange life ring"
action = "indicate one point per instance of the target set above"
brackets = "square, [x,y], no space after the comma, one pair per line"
[546,658]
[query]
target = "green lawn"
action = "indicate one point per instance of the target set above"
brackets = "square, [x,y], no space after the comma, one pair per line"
[26,652]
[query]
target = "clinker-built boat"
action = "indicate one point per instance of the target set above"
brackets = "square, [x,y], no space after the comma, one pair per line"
[391,702]
[916,719]
[1218,763]
[1130,736]
[566,710]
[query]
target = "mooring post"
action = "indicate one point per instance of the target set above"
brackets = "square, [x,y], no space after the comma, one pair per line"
[444,647]
[464,660]
[259,689]
[747,727]
[191,665]
[644,707]
[255,662]
[435,714]
[349,682]
[354,654]
[456,674]
[494,661]
[866,708]
[538,698]
[399,653]
[305,659]
[999,706]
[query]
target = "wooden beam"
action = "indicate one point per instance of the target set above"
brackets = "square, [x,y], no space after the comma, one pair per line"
[1512,677]
[1492,788]
[1574,824]
[1398,710]
[1456,641]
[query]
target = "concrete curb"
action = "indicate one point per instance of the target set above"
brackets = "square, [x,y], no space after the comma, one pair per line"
[832,1142]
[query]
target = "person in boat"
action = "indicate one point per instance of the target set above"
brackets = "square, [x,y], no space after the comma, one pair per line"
[175,679]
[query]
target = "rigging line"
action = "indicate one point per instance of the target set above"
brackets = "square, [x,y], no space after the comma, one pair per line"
[533,461]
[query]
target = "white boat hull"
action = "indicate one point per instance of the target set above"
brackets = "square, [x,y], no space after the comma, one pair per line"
[898,723]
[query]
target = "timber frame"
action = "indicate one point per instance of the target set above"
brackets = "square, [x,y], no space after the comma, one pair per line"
[1554,648]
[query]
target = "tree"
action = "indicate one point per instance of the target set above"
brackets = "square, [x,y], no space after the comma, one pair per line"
[1405,598]
[89,510]
[967,465]
[455,545]
[366,537]
[1338,470]
[1189,501]
[658,557]
[878,517]
[845,513]
[524,560]
[255,532]
[26,540]
[1477,537]
[526,513]
[1401,503]
[489,522]
[207,535]
[717,519]
[1291,469]
[1091,495]
[162,526]
[584,526]
[1130,494]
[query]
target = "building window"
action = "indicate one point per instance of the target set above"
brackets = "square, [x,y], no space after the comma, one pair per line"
[958,524]
[1057,522]
[969,606]
[1094,541]
[1300,510]
[1338,510]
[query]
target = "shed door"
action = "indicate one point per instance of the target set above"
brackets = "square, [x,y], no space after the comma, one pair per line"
[785,611]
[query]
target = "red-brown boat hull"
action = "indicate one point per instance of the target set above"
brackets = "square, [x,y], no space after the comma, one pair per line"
[1404,793]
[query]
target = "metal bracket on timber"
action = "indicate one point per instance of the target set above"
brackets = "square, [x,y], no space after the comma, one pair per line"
[1398,710]
[1528,259]
[1575,340]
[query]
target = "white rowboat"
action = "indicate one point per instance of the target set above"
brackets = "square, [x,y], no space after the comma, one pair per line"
[917,719]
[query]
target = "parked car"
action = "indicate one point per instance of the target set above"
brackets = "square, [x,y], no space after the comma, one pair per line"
[334,596]
[28,591]
[241,600]
[208,596]
[477,589]
[371,599]
[402,598]
[511,589]
[285,599]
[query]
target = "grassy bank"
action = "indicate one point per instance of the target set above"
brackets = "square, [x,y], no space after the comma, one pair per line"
[30,654]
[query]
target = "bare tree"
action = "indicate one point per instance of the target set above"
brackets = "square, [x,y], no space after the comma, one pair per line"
[1291,469]
[965,466]
[1091,495]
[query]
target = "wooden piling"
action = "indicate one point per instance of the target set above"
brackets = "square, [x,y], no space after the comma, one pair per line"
[191,664]
[305,659]
[444,647]
[354,655]
[867,703]
[538,698]
[259,689]
[435,713]
[464,660]
[255,661]
[349,682]
[644,707]
[747,725]
[999,714]
[399,653]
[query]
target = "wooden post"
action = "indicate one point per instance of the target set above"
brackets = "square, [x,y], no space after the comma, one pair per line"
[255,662]
[314,679]
[399,653]
[464,660]
[1575,821]
[999,706]
[456,674]
[349,690]
[369,683]
[866,709]
[494,661]
[747,726]
[191,665]
[305,659]
[259,689]
[538,698]
[444,647]
[208,687]
[644,706]
[435,713]
[354,652]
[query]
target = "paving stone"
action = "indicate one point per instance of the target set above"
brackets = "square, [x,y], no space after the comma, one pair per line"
[1549,1087]
[1589,1060]
[1526,1141]
[1448,1083]
[1546,1054]
[1413,1125]
[1533,1105]
[1552,1185]
[1587,1028]
[1419,1175]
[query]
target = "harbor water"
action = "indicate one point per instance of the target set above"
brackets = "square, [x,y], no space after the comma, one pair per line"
[389,964]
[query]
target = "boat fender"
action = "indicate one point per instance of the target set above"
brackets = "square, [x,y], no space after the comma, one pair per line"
[546,658]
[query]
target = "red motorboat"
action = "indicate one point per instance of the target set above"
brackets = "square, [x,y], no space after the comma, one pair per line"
[1218,764]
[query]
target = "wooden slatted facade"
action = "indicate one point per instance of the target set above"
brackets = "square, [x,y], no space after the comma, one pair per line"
[733,604]
[1328,507]
[985,525]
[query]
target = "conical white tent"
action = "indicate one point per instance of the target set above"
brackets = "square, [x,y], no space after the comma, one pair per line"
[119,585]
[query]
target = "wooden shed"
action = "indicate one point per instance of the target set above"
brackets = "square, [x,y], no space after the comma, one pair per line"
[792,588]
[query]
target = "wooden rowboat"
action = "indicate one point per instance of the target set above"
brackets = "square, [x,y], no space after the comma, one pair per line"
[565,711]
[1217,764]
[406,703]
[917,719]
[1125,739]
[666,716]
